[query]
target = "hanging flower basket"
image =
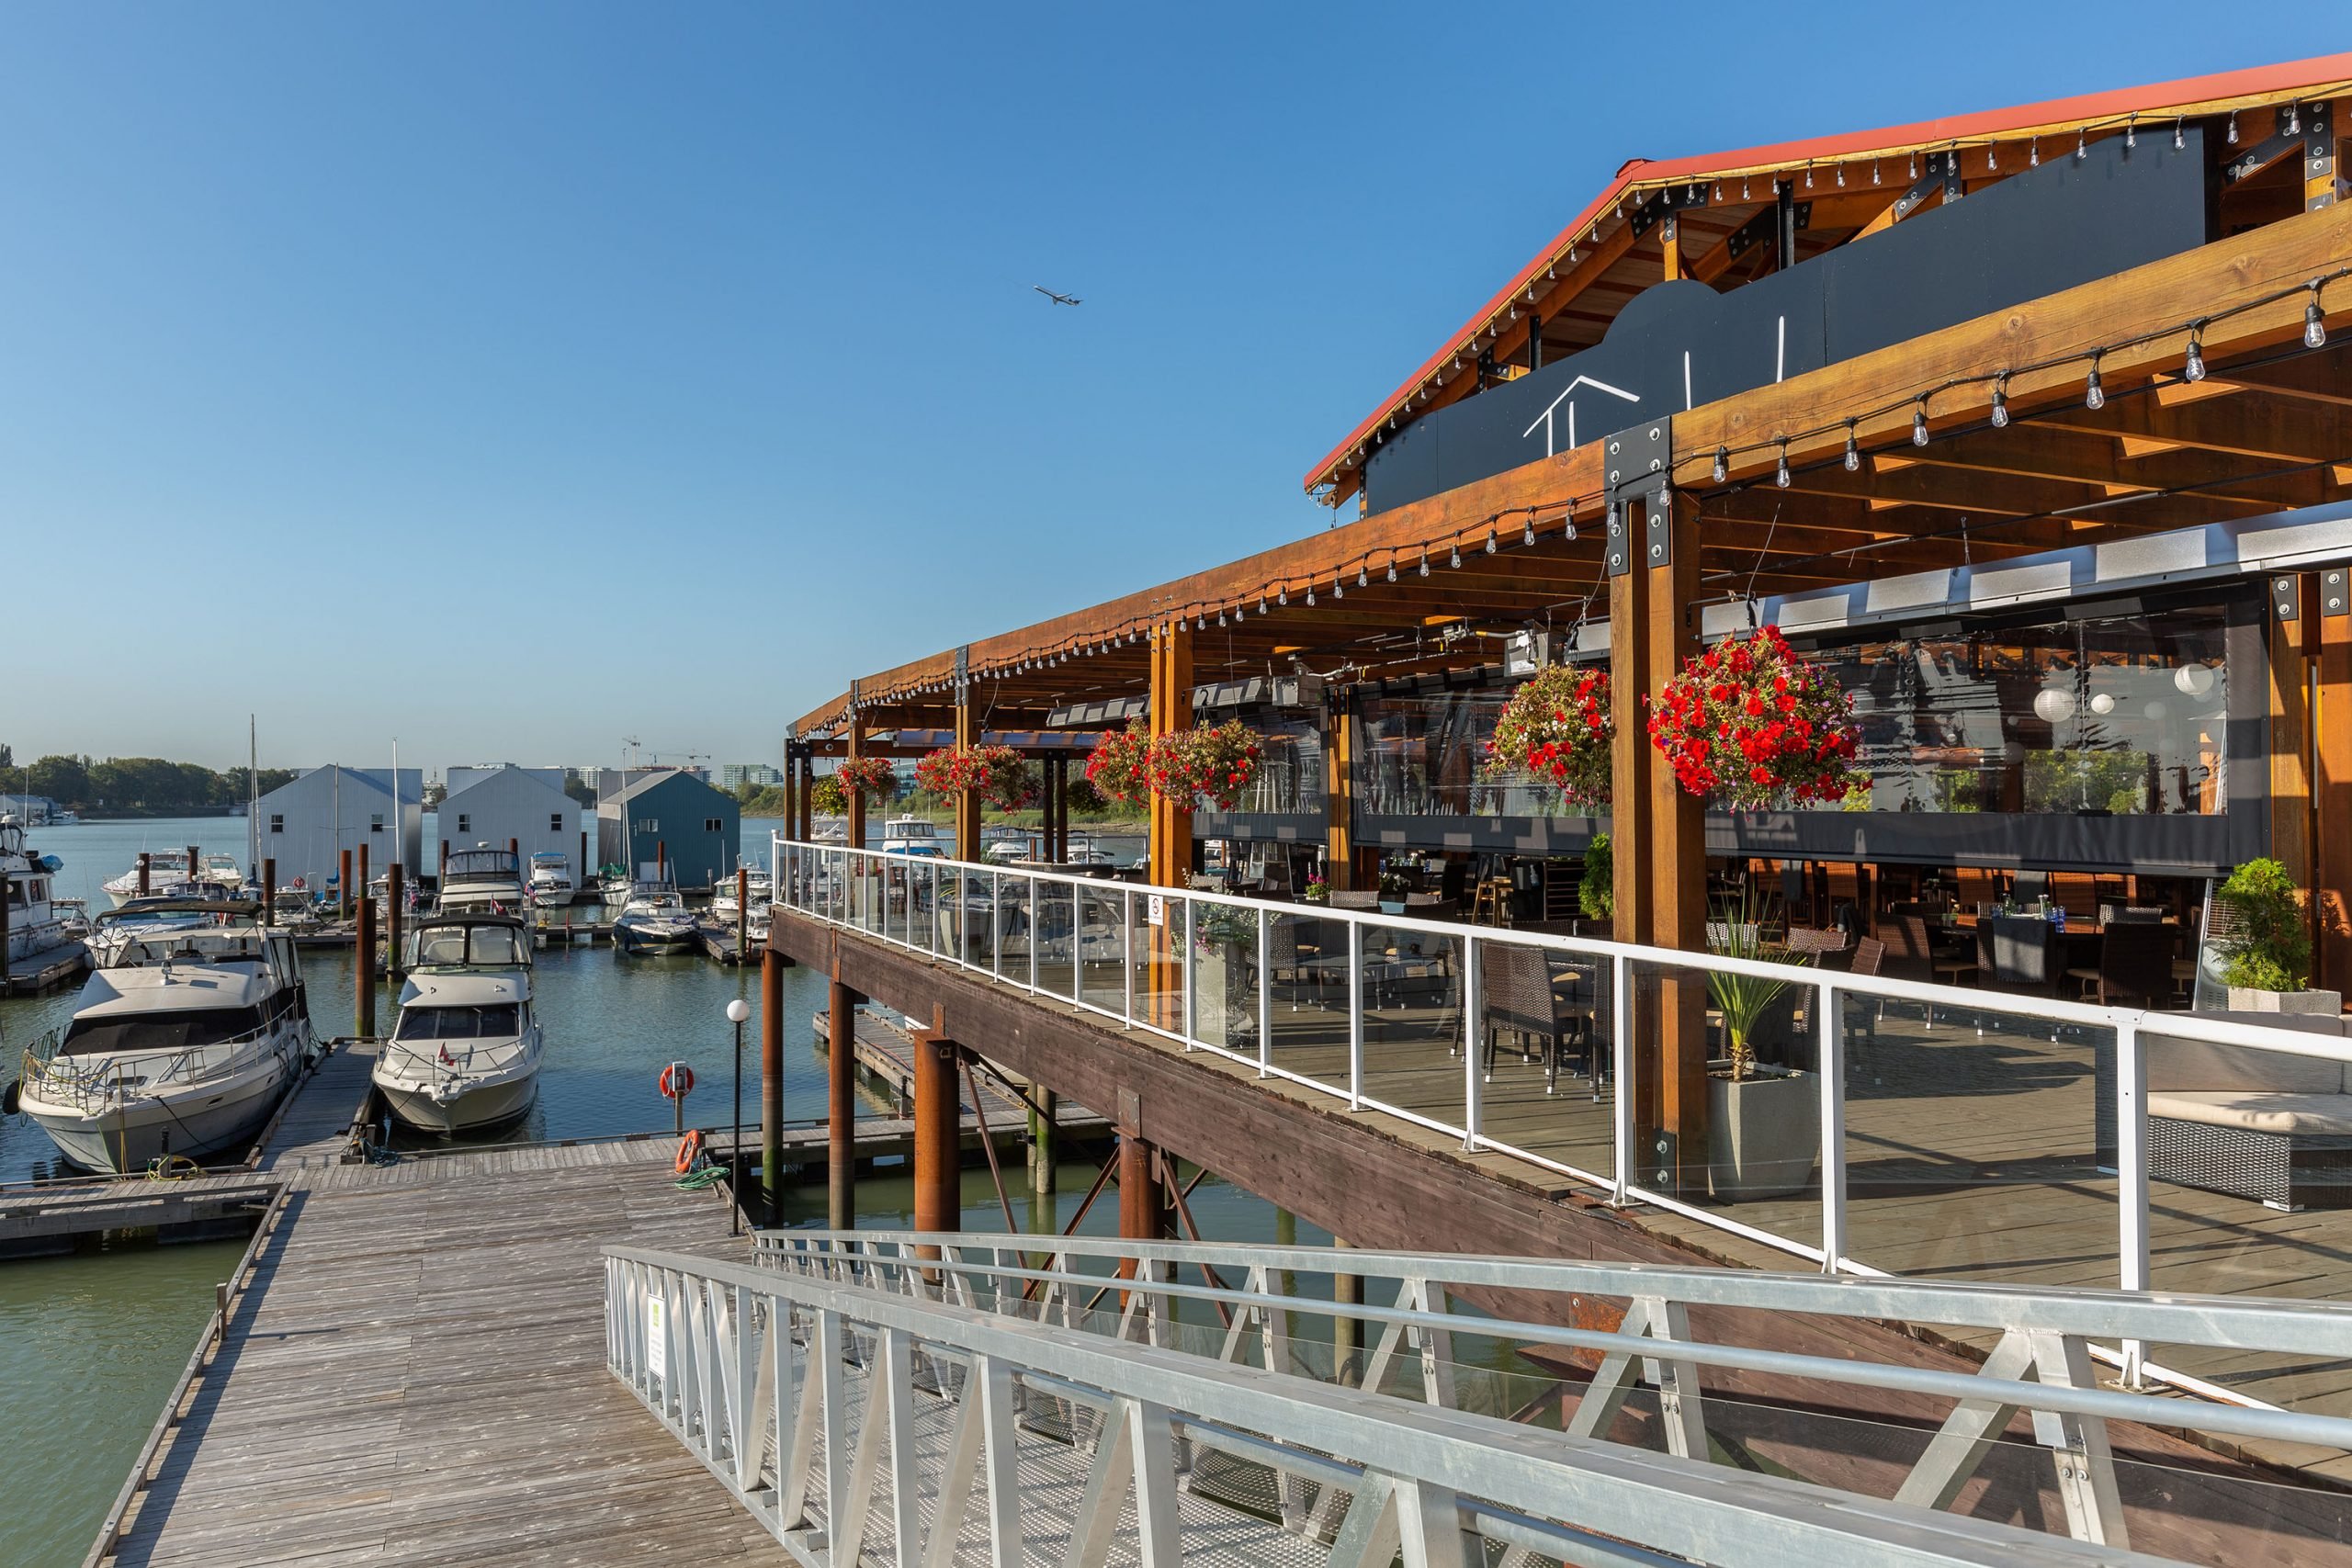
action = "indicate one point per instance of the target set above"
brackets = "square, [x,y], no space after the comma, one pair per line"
[1211,767]
[827,798]
[1119,767]
[872,777]
[1558,726]
[1750,727]
[998,774]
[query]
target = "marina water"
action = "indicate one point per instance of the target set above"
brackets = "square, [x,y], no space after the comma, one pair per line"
[90,1344]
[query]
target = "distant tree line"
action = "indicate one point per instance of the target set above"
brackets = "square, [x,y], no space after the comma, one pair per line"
[135,784]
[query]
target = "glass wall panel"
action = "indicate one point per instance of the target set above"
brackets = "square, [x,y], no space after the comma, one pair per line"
[1423,756]
[1290,767]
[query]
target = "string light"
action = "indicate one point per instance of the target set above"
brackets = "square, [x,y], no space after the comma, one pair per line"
[1425,561]
[1337,592]
[1853,452]
[1363,578]
[2081,145]
[1392,566]
[1571,533]
[1915,166]
[2033,153]
[1490,539]
[2234,128]
[1722,463]
[1310,596]
[1992,157]
[1841,176]
[1220,617]
[2178,141]
[1808,174]
[1454,557]
[2314,324]
[2094,395]
[2194,369]
[2001,403]
[1781,474]
[1919,424]
[1743,188]
[1262,601]
[1531,530]
[2132,133]
[2295,120]
[1874,171]
[1201,623]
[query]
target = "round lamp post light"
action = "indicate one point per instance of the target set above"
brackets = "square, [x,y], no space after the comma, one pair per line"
[736,1011]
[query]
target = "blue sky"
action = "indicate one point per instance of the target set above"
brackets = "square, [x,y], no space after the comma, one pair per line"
[509,379]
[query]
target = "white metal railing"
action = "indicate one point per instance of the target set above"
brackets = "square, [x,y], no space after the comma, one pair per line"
[837,1391]
[120,1077]
[1137,954]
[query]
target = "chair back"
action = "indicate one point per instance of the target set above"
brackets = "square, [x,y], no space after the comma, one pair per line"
[2134,914]
[1276,879]
[2018,949]
[2135,964]
[1515,987]
[1354,899]
[1869,953]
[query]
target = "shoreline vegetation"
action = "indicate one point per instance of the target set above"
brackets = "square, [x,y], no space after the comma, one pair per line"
[130,787]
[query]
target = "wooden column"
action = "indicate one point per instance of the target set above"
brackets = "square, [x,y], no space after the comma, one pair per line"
[967,802]
[1670,243]
[2292,641]
[343,886]
[1041,1138]
[853,748]
[269,890]
[938,1116]
[2332,877]
[771,1082]
[840,1107]
[1338,792]
[1141,1199]
[363,989]
[395,892]
[1171,710]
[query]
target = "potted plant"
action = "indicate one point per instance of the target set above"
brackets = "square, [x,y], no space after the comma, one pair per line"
[1394,885]
[1763,1125]
[1207,767]
[2268,957]
[998,774]
[1597,892]
[1751,725]
[827,798]
[1558,727]
[1225,998]
[1316,890]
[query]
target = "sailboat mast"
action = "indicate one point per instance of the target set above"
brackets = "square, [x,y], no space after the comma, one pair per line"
[253,798]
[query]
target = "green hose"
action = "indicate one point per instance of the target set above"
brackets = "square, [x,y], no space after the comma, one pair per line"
[701,1179]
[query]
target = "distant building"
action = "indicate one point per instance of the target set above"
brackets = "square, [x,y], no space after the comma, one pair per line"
[493,805]
[609,782]
[759,775]
[671,817]
[30,810]
[305,826]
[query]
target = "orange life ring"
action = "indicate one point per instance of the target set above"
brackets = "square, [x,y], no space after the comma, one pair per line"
[689,1150]
[679,1086]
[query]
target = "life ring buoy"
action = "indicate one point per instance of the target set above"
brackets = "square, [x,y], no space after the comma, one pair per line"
[689,1150]
[677,1081]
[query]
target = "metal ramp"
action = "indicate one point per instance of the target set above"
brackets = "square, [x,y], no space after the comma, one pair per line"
[992,1400]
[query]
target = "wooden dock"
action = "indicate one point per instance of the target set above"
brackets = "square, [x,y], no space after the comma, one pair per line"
[60,966]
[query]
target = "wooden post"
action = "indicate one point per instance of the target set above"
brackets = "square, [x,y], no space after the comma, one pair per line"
[343,887]
[967,801]
[853,748]
[662,862]
[359,888]
[1171,711]
[1338,793]
[146,873]
[1041,1138]
[269,890]
[4,936]
[195,870]
[2333,878]
[579,882]
[1140,1200]
[441,876]
[840,1107]
[938,1118]
[1346,1333]
[364,972]
[395,893]
[772,1082]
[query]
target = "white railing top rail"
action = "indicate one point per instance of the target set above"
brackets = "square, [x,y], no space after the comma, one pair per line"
[1562,1483]
[2173,1025]
[2199,1415]
[2249,1323]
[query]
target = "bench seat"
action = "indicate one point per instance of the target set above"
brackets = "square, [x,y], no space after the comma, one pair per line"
[2256,1112]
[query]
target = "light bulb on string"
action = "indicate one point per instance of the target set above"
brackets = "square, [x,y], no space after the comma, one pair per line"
[1310,596]
[1781,474]
[2295,120]
[1392,569]
[2034,153]
[1454,557]
[2132,133]
[1919,424]
[2194,367]
[2178,140]
[1808,174]
[2233,129]
[1363,578]
[1571,532]
[1722,463]
[2314,324]
[1992,157]
[2094,395]
[2081,145]
[1425,561]
[2001,403]
[1490,539]
[1531,530]
[1262,602]
[1220,617]
[1853,452]
[1282,594]
[1337,592]
[1875,172]
[1841,176]
[1200,623]
[1915,166]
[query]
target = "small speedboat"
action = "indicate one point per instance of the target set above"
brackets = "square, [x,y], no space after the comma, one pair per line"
[550,883]
[655,921]
[182,1046]
[464,1054]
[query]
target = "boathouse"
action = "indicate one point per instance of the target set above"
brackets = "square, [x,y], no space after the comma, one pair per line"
[2028,427]
[671,824]
[499,804]
[306,824]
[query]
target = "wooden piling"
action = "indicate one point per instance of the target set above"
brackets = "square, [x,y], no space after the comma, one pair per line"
[394,893]
[146,873]
[359,888]
[364,973]
[269,890]
[3,939]
[661,862]
[772,1081]
[743,914]
[1041,1139]
[938,1118]
[841,1107]
[195,871]
[579,884]
[1346,1333]
[343,888]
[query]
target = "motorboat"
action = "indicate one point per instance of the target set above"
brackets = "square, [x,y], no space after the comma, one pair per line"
[182,1046]
[910,836]
[655,921]
[481,881]
[465,1053]
[550,884]
[180,908]
[755,925]
[724,904]
[1083,850]
[613,886]
[165,868]
[40,927]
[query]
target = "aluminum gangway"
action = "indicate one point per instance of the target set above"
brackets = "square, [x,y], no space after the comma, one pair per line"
[968,1399]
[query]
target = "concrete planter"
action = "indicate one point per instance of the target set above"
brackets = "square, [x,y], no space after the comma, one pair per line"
[1763,1135]
[1224,1000]
[2244,1000]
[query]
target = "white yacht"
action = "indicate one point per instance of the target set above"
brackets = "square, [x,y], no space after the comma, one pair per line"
[613,886]
[40,930]
[182,1045]
[724,906]
[481,881]
[464,1054]
[1084,851]
[910,836]
[551,885]
[655,921]
[165,868]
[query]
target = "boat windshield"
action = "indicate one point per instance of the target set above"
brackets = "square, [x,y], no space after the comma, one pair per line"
[494,1020]
[480,863]
[480,946]
[110,1034]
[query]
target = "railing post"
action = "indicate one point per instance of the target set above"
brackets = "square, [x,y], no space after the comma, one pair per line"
[1034,923]
[1620,1072]
[996,924]
[1354,945]
[1472,1085]
[1192,1021]
[2132,1176]
[1127,951]
[1832,1060]
[1265,994]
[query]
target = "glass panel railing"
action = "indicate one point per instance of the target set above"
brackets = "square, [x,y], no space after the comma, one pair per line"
[1016,948]
[1103,946]
[1225,977]
[1307,977]
[1543,1047]
[1156,947]
[1410,984]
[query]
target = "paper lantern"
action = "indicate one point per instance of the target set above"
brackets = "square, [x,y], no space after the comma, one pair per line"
[2102,704]
[2053,705]
[2193,680]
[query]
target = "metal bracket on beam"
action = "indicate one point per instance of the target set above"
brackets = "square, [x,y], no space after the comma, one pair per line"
[2287,597]
[1764,230]
[1661,206]
[1943,175]
[1635,461]
[2336,591]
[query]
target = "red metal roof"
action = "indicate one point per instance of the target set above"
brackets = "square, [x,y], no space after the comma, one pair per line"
[2156,100]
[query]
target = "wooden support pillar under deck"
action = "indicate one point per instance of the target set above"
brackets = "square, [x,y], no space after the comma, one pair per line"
[1141,1199]
[1659,850]
[1338,792]
[967,801]
[841,1106]
[2332,795]
[2294,620]
[938,1117]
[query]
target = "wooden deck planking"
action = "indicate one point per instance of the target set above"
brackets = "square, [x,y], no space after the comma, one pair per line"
[313,1128]
[417,1375]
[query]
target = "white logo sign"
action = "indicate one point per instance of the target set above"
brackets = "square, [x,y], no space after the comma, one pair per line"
[657,1338]
[1156,910]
